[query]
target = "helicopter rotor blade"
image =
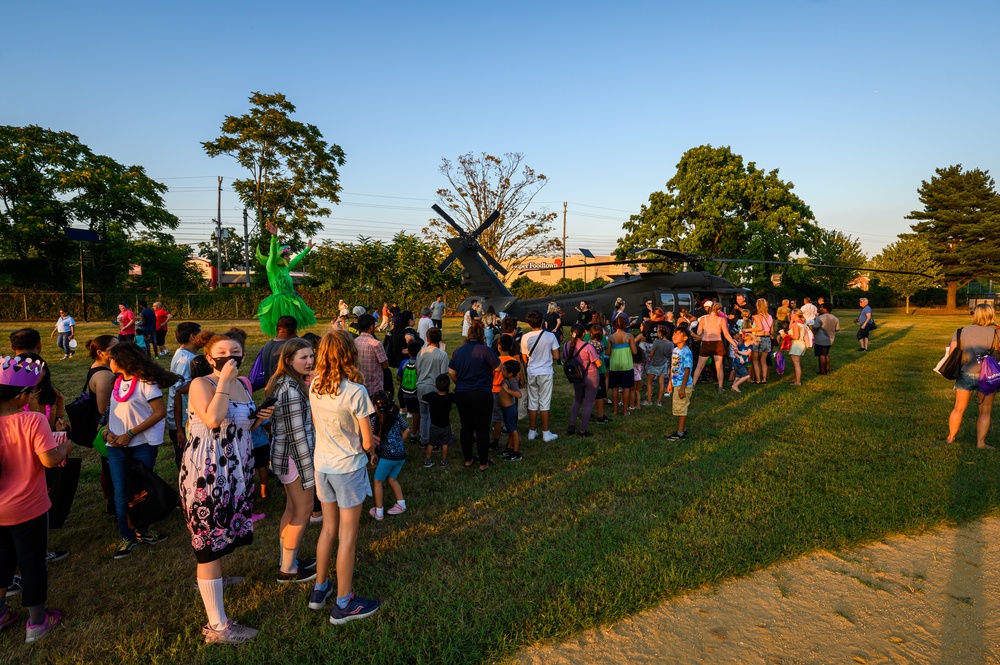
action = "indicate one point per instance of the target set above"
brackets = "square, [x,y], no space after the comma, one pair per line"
[629,262]
[446,217]
[496,265]
[494,216]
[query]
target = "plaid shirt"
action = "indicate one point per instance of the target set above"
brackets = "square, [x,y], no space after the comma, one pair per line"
[293,433]
[371,355]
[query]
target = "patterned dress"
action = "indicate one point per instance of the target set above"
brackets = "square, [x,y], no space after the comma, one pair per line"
[217,483]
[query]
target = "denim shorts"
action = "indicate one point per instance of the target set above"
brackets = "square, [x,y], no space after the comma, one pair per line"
[968,382]
[763,345]
[510,417]
[388,468]
[662,370]
[345,489]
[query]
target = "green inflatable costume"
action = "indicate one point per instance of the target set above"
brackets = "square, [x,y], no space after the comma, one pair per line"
[283,300]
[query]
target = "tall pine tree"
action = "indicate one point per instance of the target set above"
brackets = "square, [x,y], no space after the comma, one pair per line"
[960,223]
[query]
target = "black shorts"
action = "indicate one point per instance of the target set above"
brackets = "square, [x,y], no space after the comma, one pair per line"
[412,403]
[161,337]
[821,350]
[602,387]
[621,379]
[262,457]
[863,333]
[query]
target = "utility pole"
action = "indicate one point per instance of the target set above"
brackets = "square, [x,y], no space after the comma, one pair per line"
[564,240]
[246,246]
[218,222]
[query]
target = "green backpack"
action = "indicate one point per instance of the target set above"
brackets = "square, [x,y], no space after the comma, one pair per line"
[408,384]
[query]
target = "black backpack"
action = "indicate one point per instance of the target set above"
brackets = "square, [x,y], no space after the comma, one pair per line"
[575,372]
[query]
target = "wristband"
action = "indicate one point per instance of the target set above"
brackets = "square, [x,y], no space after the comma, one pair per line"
[130,433]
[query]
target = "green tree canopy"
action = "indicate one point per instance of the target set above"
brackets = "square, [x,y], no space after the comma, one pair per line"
[717,206]
[478,185]
[406,266]
[50,181]
[836,248]
[292,168]
[909,253]
[960,223]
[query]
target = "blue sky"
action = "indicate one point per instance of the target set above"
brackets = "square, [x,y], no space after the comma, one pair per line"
[854,102]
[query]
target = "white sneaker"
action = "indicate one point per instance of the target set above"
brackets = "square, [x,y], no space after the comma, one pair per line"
[549,436]
[532,434]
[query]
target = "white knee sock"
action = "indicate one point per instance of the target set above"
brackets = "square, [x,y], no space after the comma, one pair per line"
[211,595]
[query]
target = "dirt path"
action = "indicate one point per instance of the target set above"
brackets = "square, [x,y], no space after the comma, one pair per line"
[934,598]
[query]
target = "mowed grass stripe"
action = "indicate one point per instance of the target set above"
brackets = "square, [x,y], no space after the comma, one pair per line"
[581,533]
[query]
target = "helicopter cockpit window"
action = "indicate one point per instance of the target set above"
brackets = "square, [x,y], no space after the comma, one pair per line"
[684,301]
[667,302]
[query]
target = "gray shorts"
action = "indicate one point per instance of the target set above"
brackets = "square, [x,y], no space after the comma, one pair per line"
[497,412]
[345,489]
[763,345]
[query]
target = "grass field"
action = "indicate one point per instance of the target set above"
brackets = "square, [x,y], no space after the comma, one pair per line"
[583,532]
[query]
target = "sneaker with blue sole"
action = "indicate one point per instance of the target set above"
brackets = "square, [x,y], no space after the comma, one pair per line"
[357,608]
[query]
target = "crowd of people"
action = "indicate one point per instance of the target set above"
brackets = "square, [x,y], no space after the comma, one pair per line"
[341,405]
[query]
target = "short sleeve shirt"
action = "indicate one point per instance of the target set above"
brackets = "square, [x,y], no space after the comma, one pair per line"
[339,447]
[63,325]
[392,446]
[23,437]
[161,318]
[133,411]
[825,329]
[440,408]
[127,319]
[662,348]
[371,355]
[437,310]
[866,313]
[474,363]
[681,359]
[181,365]
[540,360]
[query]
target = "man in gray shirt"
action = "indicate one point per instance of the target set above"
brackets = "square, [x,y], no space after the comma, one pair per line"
[437,311]
[825,327]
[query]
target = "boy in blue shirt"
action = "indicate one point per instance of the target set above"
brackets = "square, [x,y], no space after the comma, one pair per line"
[741,355]
[681,381]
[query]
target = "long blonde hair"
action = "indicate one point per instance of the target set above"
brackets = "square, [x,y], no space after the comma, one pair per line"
[284,368]
[336,360]
[762,307]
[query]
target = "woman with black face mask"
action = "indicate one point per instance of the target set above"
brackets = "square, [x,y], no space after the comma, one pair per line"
[217,477]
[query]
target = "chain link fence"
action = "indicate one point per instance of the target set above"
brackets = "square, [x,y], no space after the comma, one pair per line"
[226,303]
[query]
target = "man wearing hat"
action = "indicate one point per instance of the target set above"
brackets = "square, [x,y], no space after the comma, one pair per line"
[352,327]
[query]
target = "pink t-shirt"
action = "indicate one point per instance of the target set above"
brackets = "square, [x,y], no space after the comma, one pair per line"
[23,437]
[127,322]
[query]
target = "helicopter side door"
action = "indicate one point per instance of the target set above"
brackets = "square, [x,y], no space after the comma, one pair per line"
[667,301]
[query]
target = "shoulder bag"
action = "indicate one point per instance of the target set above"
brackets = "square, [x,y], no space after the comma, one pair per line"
[951,365]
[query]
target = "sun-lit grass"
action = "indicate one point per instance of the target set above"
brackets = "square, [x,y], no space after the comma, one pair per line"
[582,532]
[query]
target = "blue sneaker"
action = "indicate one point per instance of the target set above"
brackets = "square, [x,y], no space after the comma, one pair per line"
[318,597]
[357,608]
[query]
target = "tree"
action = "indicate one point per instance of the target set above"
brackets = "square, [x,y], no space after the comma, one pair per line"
[716,206]
[909,253]
[960,223]
[292,169]
[164,264]
[478,185]
[232,250]
[50,181]
[836,248]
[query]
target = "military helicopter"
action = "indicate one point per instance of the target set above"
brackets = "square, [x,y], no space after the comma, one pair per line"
[671,291]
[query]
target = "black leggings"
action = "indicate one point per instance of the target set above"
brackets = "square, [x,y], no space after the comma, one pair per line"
[23,546]
[475,410]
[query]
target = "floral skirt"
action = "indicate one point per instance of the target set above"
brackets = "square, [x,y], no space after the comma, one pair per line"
[216,487]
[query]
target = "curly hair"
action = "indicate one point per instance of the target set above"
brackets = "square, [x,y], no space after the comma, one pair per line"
[336,359]
[136,362]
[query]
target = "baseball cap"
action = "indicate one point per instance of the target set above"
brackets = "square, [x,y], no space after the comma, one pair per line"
[359,310]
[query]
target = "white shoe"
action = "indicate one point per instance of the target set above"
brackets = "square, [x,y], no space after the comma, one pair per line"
[532,434]
[549,436]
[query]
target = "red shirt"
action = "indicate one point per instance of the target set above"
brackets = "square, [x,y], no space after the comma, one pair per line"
[161,318]
[127,322]
[23,437]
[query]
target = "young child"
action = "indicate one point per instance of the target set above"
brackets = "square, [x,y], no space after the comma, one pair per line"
[510,392]
[740,360]
[390,430]
[638,369]
[340,408]
[190,339]
[407,375]
[506,350]
[440,435]
[681,381]
[659,364]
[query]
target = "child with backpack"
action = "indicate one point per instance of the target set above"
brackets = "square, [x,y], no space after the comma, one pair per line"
[390,430]
[581,357]
[407,375]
